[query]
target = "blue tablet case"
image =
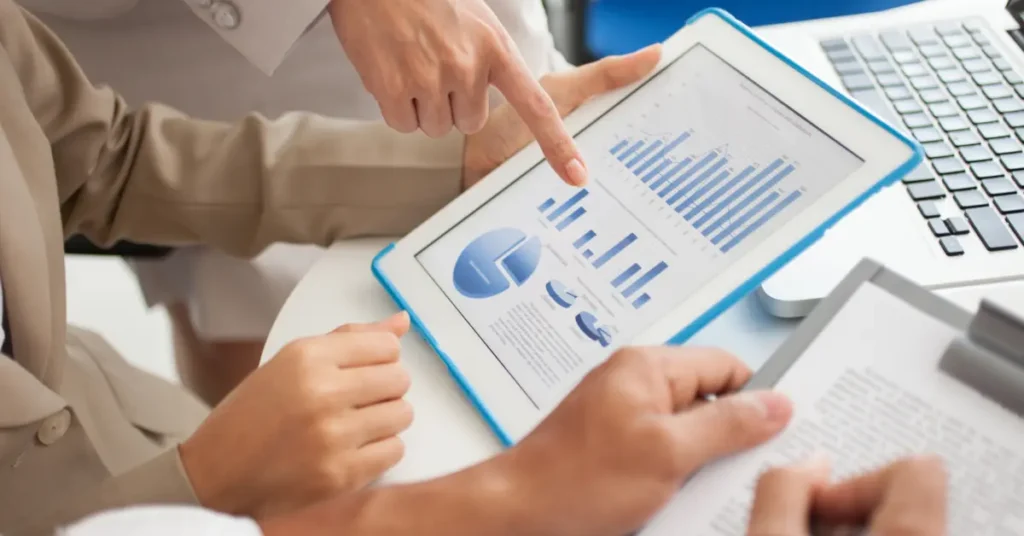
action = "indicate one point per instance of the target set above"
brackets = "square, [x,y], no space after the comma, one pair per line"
[750,285]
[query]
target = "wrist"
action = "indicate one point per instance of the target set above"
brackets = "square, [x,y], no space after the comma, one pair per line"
[209,483]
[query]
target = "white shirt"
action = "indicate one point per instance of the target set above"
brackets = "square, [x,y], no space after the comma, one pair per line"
[163,521]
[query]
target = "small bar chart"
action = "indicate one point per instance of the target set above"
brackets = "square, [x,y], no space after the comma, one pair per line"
[726,203]
[627,281]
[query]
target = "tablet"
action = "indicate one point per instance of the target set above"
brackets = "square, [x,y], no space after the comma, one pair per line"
[705,178]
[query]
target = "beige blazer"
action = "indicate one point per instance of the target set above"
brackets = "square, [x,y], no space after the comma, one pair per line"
[80,429]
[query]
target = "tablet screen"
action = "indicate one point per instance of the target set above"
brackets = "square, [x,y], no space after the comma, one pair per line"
[686,173]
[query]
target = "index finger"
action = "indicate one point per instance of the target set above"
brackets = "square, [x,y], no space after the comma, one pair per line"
[357,348]
[783,498]
[533,104]
[908,497]
[694,373]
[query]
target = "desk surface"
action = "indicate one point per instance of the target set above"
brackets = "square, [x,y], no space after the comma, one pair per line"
[447,433]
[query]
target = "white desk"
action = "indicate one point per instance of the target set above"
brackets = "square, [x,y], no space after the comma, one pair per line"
[447,433]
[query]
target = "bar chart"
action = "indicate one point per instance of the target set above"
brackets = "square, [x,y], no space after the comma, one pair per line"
[629,282]
[725,201]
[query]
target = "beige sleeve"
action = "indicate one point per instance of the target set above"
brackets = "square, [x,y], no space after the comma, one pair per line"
[261,30]
[156,176]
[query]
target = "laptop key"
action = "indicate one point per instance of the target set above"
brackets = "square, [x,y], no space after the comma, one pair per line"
[1015,119]
[932,51]
[926,134]
[1013,78]
[931,96]
[898,93]
[907,106]
[881,67]
[970,199]
[938,227]
[951,246]
[956,41]
[1013,162]
[840,54]
[1002,64]
[987,170]
[960,89]
[952,124]
[990,229]
[869,48]
[1003,146]
[853,82]
[949,28]
[974,26]
[920,173]
[837,43]
[937,149]
[977,65]
[966,53]
[963,138]
[1006,106]
[1016,222]
[895,40]
[942,63]
[958,182]
[945,166]
[1007,204]
[848,68]
[1019,88]
[913,69]
[928,209]
[948,76]
[1018,177]
[997,91]
[958,225]
[923,36]
[996,187]
[923,191]
[889,80]
[986,78]
[917,120]
[943,109]
[982,116]
[975,153]
[924,82]
[993,130]
[904,56]
[972,102]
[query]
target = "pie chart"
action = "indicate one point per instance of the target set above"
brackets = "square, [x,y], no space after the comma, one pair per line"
[587,323]
[561,294]
[494,261]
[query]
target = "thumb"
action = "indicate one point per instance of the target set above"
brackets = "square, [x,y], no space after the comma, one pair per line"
[573,88]
[729,425]
[397,324]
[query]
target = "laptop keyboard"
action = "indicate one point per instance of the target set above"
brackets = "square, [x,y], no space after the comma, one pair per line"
[951,88]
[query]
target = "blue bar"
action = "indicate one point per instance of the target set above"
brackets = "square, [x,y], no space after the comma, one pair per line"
[618,146]
[700,178]
[632,149]
[663,152]
[588,254]
[743,218]
[703,190]
[616,249]
[788,200]
[643,154]
[572,217]
[735,195]
[546,205]
[675,169]
[664,164]
[746,201]
[719,193]
[567,205]
[644,279]
[641,301]
[624,276]
[582,241]
[689,173]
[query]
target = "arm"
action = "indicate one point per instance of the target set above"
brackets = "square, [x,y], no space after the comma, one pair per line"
[261,30]
[156,176]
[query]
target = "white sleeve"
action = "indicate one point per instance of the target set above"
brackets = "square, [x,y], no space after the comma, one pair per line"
[163,521]
[262,30]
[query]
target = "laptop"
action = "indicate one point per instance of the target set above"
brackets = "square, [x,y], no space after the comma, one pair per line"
[951,74]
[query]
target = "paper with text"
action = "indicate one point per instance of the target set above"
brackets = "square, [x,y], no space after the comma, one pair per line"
[867,391]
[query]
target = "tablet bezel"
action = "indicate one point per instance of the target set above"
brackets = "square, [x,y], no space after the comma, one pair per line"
[885,154]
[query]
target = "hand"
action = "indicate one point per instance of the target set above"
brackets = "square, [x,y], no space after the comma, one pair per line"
[321,418]
[505,133]
[907,498]
[613,453]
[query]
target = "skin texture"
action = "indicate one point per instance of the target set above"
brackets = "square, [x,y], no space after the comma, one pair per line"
[429,64]
[907,498]
[612,453]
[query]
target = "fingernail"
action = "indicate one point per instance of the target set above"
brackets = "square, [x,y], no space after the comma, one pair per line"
[771,405]
[576,172]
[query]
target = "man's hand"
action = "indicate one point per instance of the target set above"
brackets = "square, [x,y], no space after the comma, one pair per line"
[429,63]
[321,418]
[613,453]
[505,133]
[907,498]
